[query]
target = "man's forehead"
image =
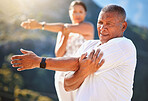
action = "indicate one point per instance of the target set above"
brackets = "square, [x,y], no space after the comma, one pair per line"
[107,15]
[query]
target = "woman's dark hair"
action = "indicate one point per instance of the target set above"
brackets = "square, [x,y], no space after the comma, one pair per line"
[77,3]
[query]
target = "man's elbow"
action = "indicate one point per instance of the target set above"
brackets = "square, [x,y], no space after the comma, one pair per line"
[69,88]
[72,87]
[66,85]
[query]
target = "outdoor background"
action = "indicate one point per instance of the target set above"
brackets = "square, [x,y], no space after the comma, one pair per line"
[38,84]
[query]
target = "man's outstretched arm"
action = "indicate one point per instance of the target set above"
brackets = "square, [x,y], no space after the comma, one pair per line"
[88,66]
[30,60]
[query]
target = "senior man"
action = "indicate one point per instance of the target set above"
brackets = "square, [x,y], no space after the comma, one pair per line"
[114,80]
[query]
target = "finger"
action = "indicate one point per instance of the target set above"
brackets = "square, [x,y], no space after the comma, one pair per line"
[24,51]
[99,57]
[20,69]
[65,31]
[32,19]
[83,56]
[96,54]
[27,25]
[101,63]
[15,61]
[91,54]
[22,24]
[16,57]
[29,20]
[17,65]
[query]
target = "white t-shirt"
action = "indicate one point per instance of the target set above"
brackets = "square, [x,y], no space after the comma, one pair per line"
[114,79]
[74,42]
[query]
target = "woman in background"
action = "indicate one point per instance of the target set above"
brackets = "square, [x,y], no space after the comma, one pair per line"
[70,37]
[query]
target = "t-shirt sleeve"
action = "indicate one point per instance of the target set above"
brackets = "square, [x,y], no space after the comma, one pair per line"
[114,56]
[80,51]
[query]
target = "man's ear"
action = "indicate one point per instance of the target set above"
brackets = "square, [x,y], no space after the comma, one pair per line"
[124,26]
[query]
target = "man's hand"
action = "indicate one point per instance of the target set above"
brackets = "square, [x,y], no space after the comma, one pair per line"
[91,63]
[30,24]
[28,60]
[88,65]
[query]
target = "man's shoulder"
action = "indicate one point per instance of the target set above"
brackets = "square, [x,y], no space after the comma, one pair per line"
[91,42]
[126,42]
[120,41]
[123,43]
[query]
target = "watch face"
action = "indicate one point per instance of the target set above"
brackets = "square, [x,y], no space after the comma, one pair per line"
[43,64]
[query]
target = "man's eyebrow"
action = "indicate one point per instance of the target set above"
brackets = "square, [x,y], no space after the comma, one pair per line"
[110,22]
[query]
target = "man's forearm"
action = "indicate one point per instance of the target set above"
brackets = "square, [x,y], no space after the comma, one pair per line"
[72,82]
[62,64]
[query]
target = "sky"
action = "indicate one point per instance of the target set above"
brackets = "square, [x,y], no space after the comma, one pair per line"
[137,10]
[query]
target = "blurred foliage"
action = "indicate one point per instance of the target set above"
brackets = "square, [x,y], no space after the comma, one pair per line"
[136,33]
[9,79]
[25,95]
[141,31]
[10,84]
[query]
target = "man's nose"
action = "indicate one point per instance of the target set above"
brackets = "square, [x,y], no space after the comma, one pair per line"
[102,27]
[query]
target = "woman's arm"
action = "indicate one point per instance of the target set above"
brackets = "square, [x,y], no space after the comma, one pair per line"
[33,24]
[62,37]
[85,29]
[61,43]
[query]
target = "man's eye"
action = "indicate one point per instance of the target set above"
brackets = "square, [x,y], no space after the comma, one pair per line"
[100,23]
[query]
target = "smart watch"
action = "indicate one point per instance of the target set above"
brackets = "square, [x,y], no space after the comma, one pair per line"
[42,63]
[43,25]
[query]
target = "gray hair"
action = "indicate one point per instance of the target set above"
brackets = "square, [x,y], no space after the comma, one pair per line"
[115,8]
